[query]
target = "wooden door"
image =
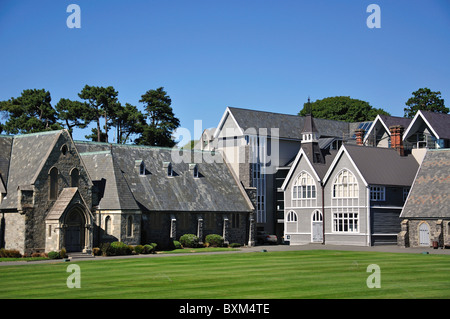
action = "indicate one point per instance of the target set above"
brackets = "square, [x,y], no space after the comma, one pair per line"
[424,235]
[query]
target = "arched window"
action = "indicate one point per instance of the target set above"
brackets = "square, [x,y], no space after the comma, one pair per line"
[345,202]
[130,226]
[108,225]
[345,185]
[53,183]
[291,217]
[74,177]
[304,191]
[291,222]
[317,216]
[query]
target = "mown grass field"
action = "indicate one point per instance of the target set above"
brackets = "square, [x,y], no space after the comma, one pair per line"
[259,275]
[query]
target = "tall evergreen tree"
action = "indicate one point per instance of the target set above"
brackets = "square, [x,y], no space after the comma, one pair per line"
[101,102]
[161,119]
[29,113]
[73,113]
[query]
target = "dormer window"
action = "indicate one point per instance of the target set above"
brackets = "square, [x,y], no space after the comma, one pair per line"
[140,165]
[194,169]
[168,167]
[142,169]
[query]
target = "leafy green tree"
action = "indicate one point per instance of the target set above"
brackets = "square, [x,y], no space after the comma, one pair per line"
[161,119]
[128,121]
[29,113]
[426,100]
[341,108]
[73,113]
[101,102]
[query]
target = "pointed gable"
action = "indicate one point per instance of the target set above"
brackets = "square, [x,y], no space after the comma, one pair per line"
[28,154]
[429,195]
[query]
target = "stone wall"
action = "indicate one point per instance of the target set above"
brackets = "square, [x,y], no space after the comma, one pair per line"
[439,231]
[14,231]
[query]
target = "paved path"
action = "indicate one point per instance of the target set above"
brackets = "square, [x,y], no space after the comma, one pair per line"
[270,248]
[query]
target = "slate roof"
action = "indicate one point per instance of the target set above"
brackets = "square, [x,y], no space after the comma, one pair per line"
[440,123]
[383,166]
[61,203]
[290,126]
[429,196]
[216,190]
[28,152]
[108,178]
[395,120]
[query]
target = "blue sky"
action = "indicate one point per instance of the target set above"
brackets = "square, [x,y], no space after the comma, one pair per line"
[256,54]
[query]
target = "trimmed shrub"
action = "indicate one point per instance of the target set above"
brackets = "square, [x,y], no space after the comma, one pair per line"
[235,245]
[10,253]
[149,248]
[138,249]
[214,240]
[116,248]
[54,255]
[189,240]
[177,244]
[63,253]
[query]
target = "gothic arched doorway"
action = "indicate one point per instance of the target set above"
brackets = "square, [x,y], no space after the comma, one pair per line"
[75,233]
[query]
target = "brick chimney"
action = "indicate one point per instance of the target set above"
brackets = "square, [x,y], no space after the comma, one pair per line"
[396,139]
[359,136]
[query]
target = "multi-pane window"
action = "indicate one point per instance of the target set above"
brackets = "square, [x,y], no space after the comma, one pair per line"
[345,185]
[345,222]
[291,217]
[377,193]
[291,222]
[304,191]
[345,202]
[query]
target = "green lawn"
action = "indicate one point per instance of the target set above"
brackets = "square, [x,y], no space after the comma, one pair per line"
[259,275]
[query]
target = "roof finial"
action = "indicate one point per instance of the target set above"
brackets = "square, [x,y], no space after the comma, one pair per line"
[309,106]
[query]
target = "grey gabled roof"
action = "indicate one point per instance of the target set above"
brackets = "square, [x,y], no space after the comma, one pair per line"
[290,126]
[383,166]
[5,156]
[395,120]
[429,196]
[216,190]
[440,123]
[108,178]
[28,153]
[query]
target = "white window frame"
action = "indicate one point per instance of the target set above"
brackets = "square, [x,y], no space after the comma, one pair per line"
[291,217]
[345,203]
[377,193]
[345,222]
[345,185]
[304,191]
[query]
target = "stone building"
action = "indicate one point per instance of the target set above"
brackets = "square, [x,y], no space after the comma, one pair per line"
[426,214]
[56,193]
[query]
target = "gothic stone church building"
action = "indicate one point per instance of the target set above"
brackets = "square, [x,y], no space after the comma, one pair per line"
[56,193]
